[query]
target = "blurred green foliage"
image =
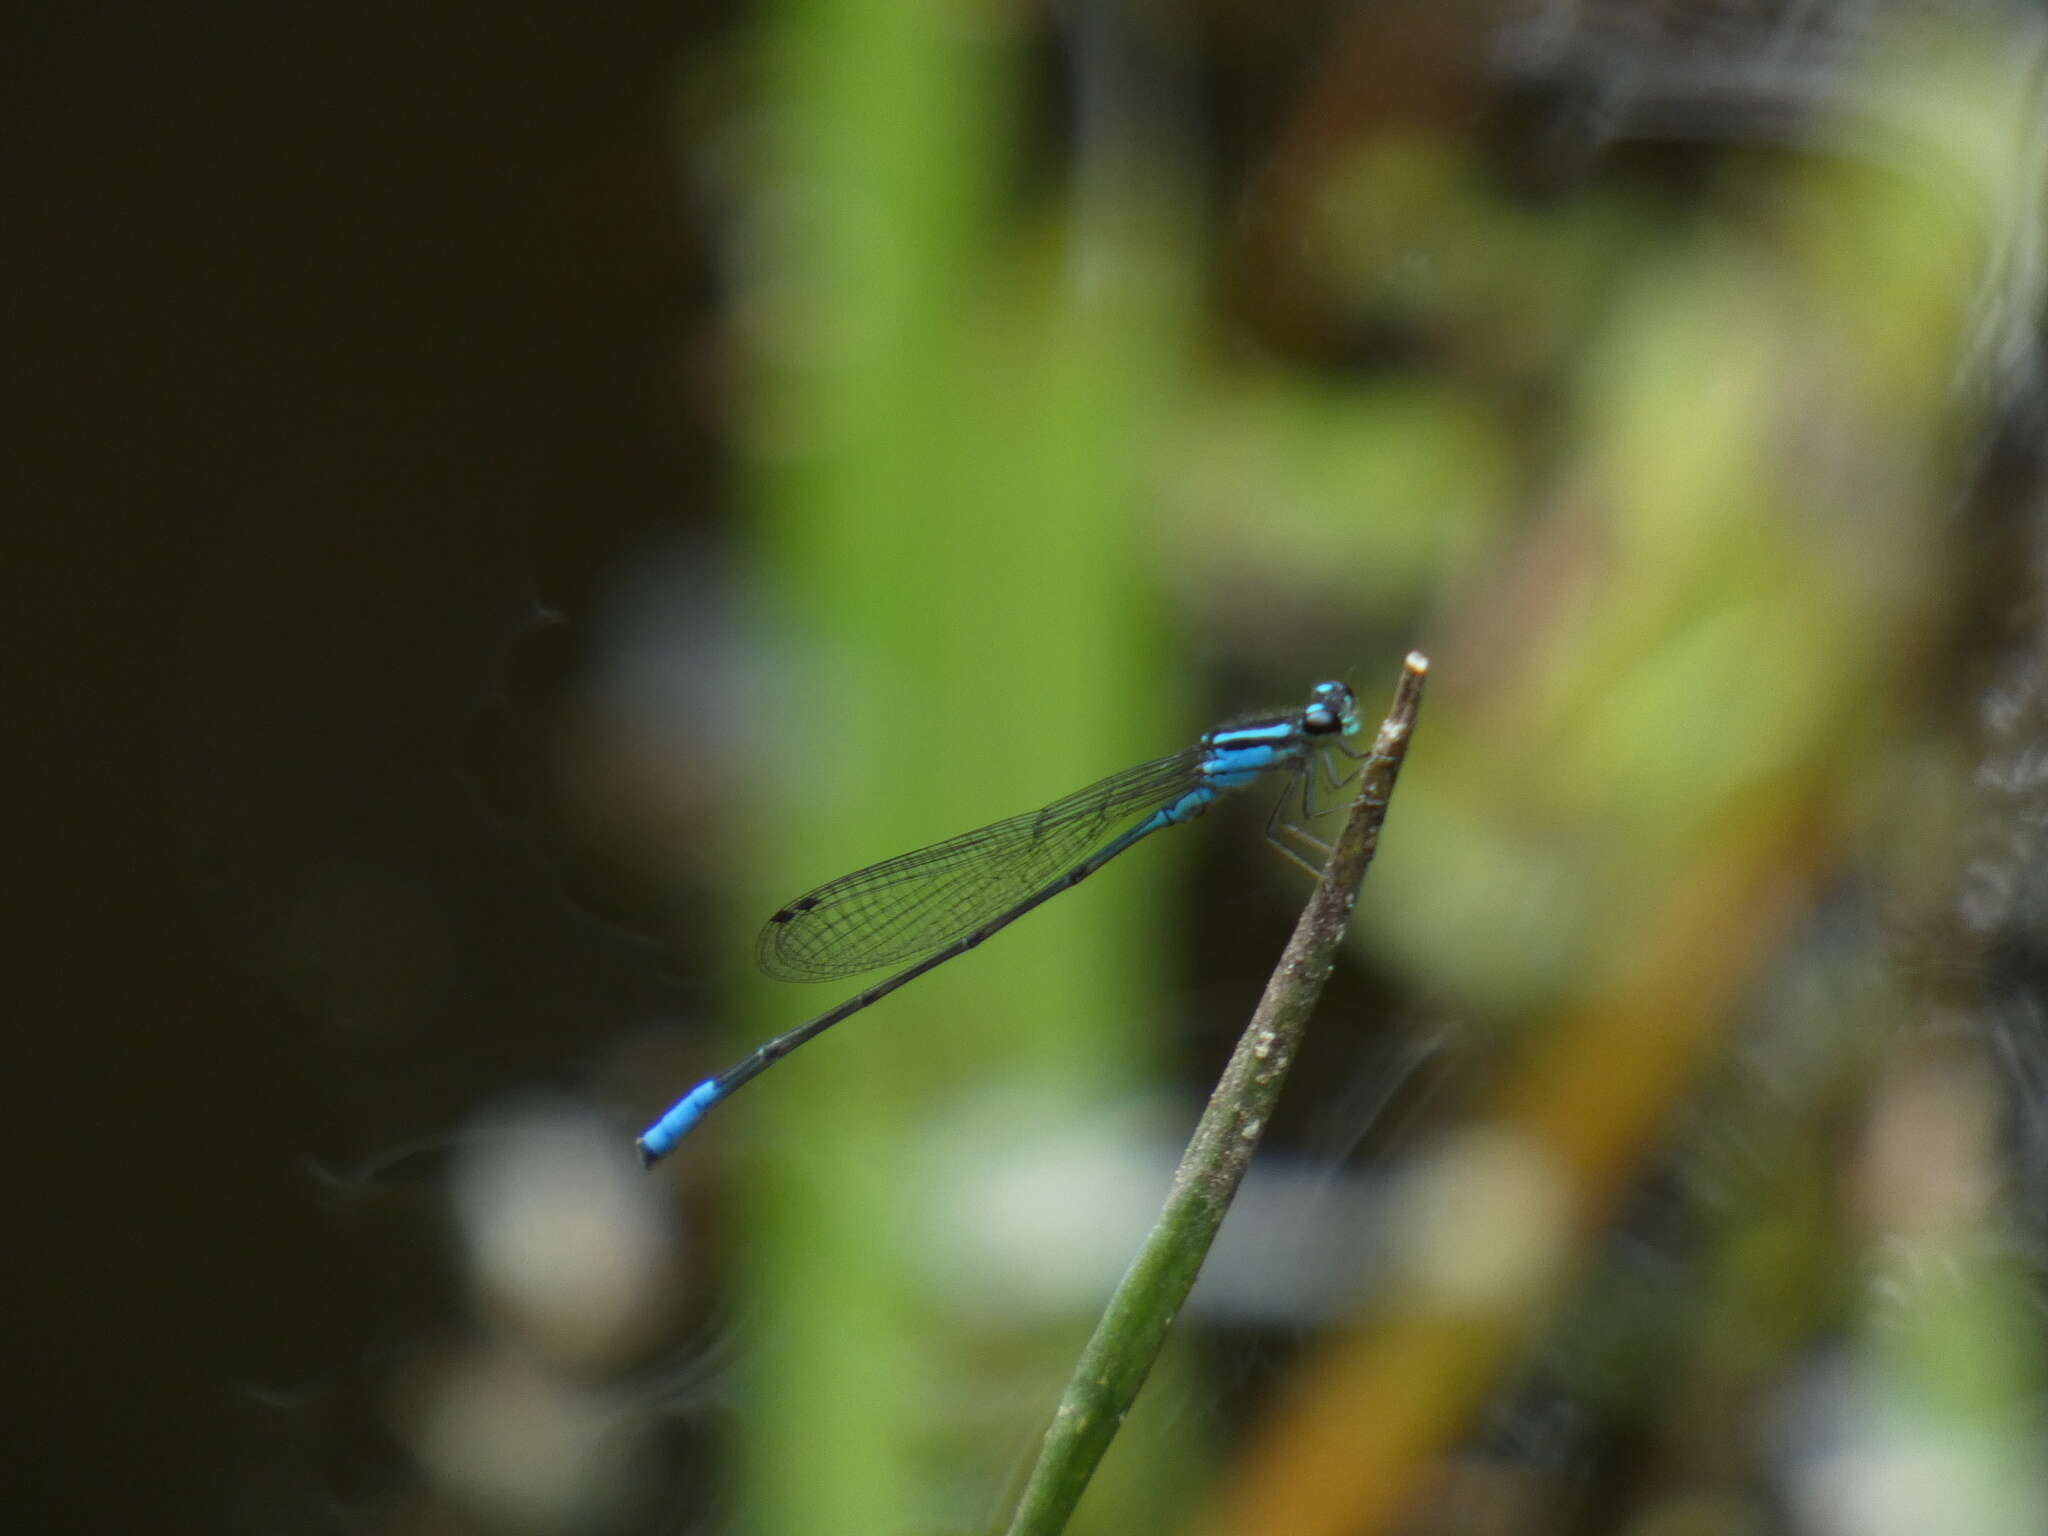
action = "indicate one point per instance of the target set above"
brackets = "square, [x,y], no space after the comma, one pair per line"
[1042,466]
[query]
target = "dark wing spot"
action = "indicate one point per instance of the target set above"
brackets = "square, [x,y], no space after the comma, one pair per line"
[801,904]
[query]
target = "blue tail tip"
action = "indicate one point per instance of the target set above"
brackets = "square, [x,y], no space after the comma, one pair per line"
[660,1138]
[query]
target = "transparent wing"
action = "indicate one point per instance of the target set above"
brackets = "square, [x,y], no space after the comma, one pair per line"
[904,908]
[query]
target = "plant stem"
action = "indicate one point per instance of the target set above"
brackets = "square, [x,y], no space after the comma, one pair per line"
[1133,1328]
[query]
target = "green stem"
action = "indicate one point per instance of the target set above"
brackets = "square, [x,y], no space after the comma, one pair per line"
[1133,1328]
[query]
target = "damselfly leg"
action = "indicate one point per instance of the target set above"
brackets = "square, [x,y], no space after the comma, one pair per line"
[1277,822]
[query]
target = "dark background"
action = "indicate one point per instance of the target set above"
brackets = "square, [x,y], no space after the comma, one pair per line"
[324,322]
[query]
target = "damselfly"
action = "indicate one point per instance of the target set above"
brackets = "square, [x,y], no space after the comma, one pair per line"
[939,902]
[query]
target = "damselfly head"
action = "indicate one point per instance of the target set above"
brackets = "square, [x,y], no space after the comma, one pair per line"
[1331,711]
